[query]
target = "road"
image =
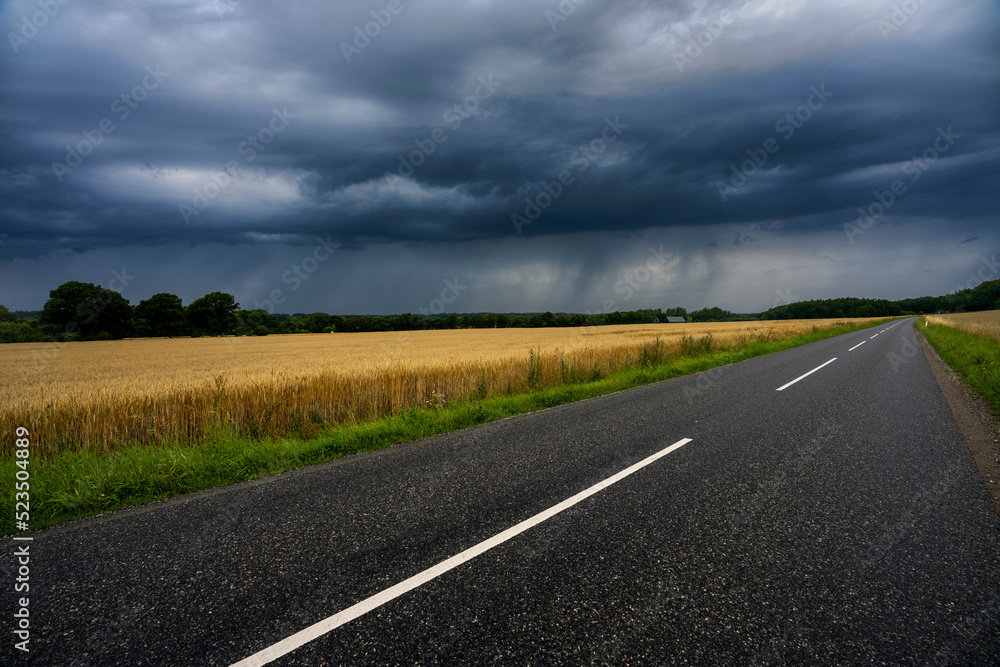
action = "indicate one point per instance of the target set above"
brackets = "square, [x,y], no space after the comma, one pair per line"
[839,520]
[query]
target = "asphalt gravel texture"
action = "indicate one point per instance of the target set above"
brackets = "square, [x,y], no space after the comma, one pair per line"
[840,521]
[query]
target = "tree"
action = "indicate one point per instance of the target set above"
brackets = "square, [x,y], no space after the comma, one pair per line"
[213,314]
[714,314]
[88,310]
[161,315]
[866,310]
[404,322]
[984,296]
[20,332]
[294,324]
[316,322]
[6,315]
[251,322]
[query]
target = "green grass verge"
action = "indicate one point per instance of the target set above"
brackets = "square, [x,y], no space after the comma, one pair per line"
[976,358]
[75,485]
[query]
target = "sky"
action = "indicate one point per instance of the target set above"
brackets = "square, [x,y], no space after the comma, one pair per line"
[393,156]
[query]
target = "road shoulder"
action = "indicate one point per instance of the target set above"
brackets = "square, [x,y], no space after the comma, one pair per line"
[975,418]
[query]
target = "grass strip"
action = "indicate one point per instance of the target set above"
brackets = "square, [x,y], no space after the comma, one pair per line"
[976,358]
[80,484]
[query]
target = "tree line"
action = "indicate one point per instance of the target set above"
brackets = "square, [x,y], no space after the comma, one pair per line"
[84,311]
[985,296]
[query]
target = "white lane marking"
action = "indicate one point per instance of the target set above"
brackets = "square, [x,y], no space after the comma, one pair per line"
[875,336]
[784,387]
[857,346]
[302,637]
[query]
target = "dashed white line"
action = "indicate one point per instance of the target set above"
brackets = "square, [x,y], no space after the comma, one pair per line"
[784,387]
[857,346]
[875,336]
[319,629]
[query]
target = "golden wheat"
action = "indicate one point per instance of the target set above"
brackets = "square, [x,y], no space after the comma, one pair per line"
[102,394]
[985,323]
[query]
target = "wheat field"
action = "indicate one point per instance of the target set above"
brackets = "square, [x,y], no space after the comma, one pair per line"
[103,394]
[985,323]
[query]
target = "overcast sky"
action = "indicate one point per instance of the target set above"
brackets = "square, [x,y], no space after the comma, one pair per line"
[396,156]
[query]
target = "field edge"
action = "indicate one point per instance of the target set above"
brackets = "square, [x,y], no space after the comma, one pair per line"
[977,418]
[79,485]
[974,357]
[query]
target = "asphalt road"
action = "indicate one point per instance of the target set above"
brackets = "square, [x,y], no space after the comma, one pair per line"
[840,520]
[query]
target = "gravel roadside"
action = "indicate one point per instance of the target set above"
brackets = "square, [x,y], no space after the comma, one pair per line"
[975,418]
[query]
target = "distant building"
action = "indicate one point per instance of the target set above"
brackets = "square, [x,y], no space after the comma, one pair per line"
[670,319]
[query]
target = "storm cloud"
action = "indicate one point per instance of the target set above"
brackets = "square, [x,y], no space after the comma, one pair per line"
[535,151]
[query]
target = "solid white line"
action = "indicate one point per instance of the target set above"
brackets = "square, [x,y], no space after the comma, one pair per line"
[857,346]
[806,375]
[302,637]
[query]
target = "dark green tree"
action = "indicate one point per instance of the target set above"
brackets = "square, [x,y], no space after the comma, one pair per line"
[256,322]
[866,310]
[88,310]
[316,322]
[984,296]
[213,314]
[714,314]
[404,322]
[6,315]
[20,332]
[161,315]
[294,324]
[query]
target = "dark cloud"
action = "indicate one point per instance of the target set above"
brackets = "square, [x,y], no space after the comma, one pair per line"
[773,124]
